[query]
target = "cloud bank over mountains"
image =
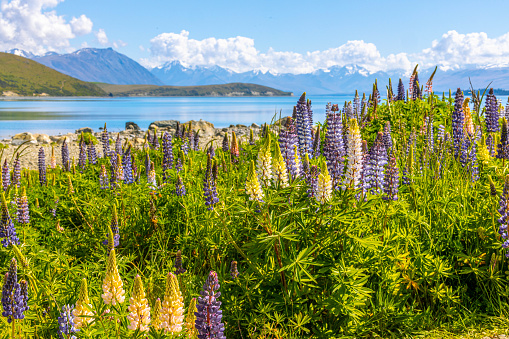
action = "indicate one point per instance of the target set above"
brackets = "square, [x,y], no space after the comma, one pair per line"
[452,51]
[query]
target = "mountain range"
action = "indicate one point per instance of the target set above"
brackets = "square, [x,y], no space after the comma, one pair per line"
[109,66]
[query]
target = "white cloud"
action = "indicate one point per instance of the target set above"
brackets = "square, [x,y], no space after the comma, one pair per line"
[239,54]
[32,25]
[81,25]
[101,37]
[119,43]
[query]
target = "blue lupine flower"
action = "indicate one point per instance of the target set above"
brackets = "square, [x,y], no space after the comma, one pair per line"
[458,119]
[6,178]
[391,182]
[22,210]
[66,161]
[387,137]
[92,154]
[303,125]
[226,144]
[333,148]
[14,294]
[7,230]
[234,272]
[196,141]
[82,159]
[504,215]
[114,229]
[211,151]
[316,143]
[209,315]
[312,180]
[167,154]
[66,327]
[118,145]
[502,147]
[42,166]
[209,187]
[374,172]
[180,189]
[491,113]
[127,166]
[105,139]
[401,91]
[288,143]
[185,145]
[16,171]
[178,264]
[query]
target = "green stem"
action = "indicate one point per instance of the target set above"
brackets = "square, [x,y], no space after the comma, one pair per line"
[13,327]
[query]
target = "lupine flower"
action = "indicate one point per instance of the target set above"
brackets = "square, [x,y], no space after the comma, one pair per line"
[490,144]
[167,154]
[92,153]
[6,177]
[251,137]
[469,124]
[303,125]
[172,312]
[391,182]
[482,151]
[234,272]
[280,173]
[504,215]
[324,189]
[156,315]
[178,264]
[211,151]
[491,113]
[127,166]
[42,166]
[66,327]
[288,142]
[209,187]
[334,149]
[14,294]
[185,145]
[105,139]
[16,172]
[502,147]
[7,230]
[264,162]
[180,189]
[226,143]
[139,311]
[458,122]
[493,189]
[305,167]
[354,156]
[316,143]
[119,169]
[103,178]
[253,188]
[113,292]
[190,321]
[82,159]
[155,140]
[151,180]
[118,145]
[387,137]
[209,315]
[357,106]
[82,313]
[196,143]
[53,159]
[22,211]
[374,174]
[66,161]
[70,188]
[401,91]
[114,229]
[234,149]
[314,172]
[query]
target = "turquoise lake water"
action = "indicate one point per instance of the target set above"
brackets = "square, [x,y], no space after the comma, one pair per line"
[62,115]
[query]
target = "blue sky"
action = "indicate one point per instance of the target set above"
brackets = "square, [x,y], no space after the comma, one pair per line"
[279,36]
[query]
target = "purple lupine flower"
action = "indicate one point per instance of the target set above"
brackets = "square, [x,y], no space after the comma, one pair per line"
[167,154]
[127,166]
[348,111]
[196,141]
[314,172]
[465,151]
[180,189]
[118,145]
[401,91]
[114,229]
[66,327]
[6,177]
[134,167]
[14,295]
[391,182]
[209,187]
[490,144]
[310,113]
[365,168]
[178,165]
[357,108]
[234,272]
[416,92]
[491,113]
[113,160]
[22,210]
[303,125]
[92,154]
[178,264]
[429,136]
[82,159]
[155,140]
[226,144]
[54,209]
[190,137]
[333,148]
[504,215]
[288,141]
[66,161]
[16,172]
[374,174]
[316,143]
[502,150]
[105,139]
[364,105]
[211,151]
[209,315]
[103,178]
[185,145]
[387,137]
[42,166]
[7,230]
[147,163]
[458,119]
[177,131]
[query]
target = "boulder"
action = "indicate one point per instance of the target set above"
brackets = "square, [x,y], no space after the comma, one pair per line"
[20,138]
[84,130]
[42,139]
[138,141]
[283,121]
[206,128]
[132,126]
[163,124]
[241,126]
[253,125]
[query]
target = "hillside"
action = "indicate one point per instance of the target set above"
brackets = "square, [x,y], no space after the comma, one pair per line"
[26,78]
[234,89]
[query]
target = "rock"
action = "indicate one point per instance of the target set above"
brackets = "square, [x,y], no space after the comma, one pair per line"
[231,126]
[84,130]
[206,128]
[132,126]
[241,126]
[138,141]
[283,121]
[20,138]
[253,125]
[59,139]
[42,139]
[162,124]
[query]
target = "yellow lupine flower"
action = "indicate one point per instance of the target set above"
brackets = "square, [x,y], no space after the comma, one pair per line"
[83,311]
[113,292]
[280,172]
[469,124]
[172,313]
[264,162]
[482,151]
[191,330]
[156,321]
[324,191]
[253,188]
[139,311]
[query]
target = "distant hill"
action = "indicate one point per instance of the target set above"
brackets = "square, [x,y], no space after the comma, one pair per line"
[96,65]
[235,89]
[26,77]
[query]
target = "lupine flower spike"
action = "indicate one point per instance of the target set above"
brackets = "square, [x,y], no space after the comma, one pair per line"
[23,214]
[264,162]
[234,149]
[113,291]
[234,272]
[180,189]
[139,311]
[53,159]
[172,313]
[280,173]
[178,264]
[190,322]
[253,189]
[114,229]
[83,311]
[14,294]
[103,178]
[354,155]
[42,166]
[70,188]
[156,315]
[7,230]
[324,189]
[209,315]
[16,172]
[66,326]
